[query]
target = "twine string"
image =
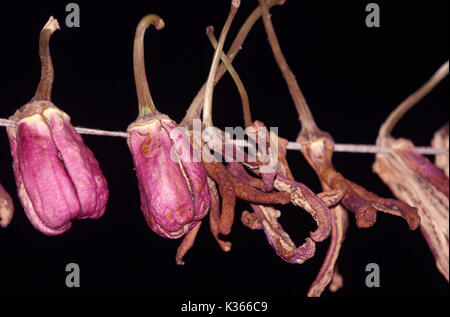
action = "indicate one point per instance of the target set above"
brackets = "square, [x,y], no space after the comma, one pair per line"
[349,148]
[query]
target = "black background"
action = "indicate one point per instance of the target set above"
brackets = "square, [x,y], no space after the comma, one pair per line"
[351,75]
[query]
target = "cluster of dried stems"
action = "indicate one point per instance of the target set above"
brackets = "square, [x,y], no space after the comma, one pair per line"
[420,186]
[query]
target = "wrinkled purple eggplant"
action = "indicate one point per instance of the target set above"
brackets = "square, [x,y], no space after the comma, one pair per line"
[57,176]
[173,187]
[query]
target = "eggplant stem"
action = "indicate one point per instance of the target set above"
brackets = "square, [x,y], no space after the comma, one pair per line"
[309,127]
[388,125]
[207,106]
[237,80]
[145,101]
[196,106]
[44,89]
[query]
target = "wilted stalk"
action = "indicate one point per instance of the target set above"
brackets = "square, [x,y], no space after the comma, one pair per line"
[207,107]
[237,80]
[413,99]
[196,106]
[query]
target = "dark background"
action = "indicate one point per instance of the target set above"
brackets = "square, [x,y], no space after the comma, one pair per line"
[352,77]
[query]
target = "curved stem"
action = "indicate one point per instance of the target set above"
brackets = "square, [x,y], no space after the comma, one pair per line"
[207,107]
[146,105]
[309,126]
[237,80]
[196,106]
[414,98]
[44,89]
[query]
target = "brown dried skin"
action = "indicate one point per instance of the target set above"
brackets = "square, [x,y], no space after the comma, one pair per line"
[411,186]
[331,197]
[265,218]
[387,205]
[300,195]
[237,170]
[187,243]
[231,187]
[303,197]
[441,141]
[253,195]
[214,216]
[361,202]
[328,271]
[219,174]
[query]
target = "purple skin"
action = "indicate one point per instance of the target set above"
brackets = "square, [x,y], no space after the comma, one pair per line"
[425,168]
[57,176]
[268,179]
[173,188]
[6,207]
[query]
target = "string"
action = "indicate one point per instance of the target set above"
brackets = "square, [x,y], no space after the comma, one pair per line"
[349,148]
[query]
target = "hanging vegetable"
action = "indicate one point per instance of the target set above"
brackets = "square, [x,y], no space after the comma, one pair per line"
[414,179]
[173,188]
[58,178]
